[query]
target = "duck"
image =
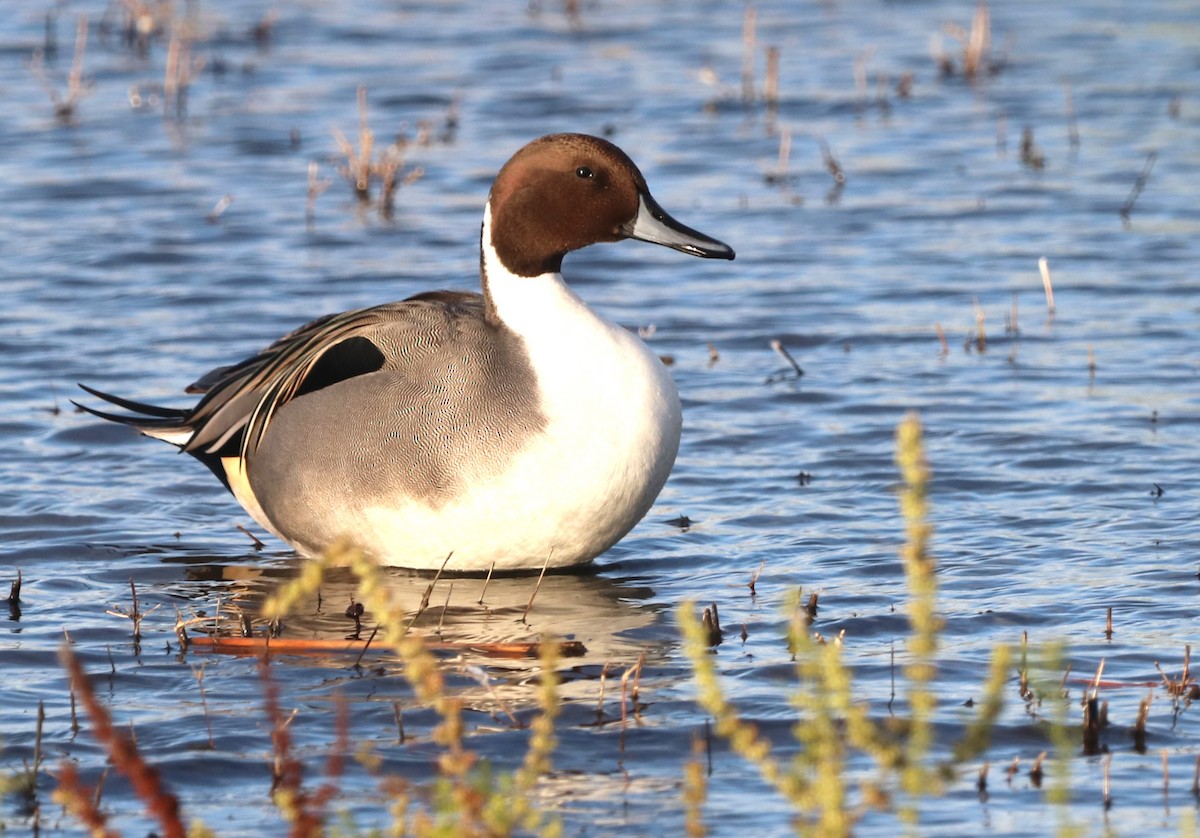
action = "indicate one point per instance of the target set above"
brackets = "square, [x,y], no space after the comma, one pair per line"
[510,429]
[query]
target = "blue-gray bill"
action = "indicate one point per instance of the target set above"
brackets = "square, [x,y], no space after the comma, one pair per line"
[653,224]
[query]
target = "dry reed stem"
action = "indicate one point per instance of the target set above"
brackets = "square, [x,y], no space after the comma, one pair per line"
[831,164]
[1072,124]
[14,590]
[749,22]
[1047,284]
[199,673]
[160,803]
[537,587]
[979,43]
[861,61]
[778,346]
[64,105]
[1013,326]
[487,581]
[1031,155]
[1035,771]
[255,541]
[1138,185]
[1139,726]
[633,673]
[771,82]
[357,168]
[980,331]
[754,577]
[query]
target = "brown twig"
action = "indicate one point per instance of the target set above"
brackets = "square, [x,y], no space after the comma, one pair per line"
[254,539]
[537,587]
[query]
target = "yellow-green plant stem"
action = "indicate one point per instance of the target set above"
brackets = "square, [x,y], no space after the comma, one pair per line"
[920,573]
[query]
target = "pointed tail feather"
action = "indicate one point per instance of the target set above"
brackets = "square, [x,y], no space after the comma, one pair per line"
[165,423]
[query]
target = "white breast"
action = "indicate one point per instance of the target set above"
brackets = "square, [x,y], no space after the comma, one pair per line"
[611,436]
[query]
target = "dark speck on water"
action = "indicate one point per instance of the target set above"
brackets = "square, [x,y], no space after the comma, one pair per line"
[171,201]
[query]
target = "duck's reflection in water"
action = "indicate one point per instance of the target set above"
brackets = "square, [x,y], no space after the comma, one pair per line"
[472,622]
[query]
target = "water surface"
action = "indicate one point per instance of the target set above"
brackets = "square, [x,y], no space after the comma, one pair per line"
[1063,447]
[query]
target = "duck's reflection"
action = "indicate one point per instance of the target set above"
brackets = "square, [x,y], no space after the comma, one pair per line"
[471,619]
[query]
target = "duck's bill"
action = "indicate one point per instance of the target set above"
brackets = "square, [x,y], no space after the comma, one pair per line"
[652,224]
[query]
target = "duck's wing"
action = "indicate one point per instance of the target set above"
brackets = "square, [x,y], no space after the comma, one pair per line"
[240,399]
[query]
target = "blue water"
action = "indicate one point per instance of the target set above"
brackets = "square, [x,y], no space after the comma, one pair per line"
[1048,447]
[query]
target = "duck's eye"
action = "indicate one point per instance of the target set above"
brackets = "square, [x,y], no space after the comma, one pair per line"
[584,172]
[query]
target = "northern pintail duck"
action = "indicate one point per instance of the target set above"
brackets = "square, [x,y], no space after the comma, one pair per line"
[512,429]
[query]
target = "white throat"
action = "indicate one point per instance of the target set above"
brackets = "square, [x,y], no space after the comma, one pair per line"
[611,405]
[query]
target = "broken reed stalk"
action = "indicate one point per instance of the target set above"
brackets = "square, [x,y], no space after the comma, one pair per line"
[255,541]
[160,803]
[177,76]
[754,577]
[778,346]
[634,672]
[771,82]
[978,44]
[357,169]
[487,581]
[1035,771]
[749,22]
[1139,726]
[980,331]
[14,590]
[1072,125]
[785,153]
[199,673]
[1047,284]
[860,77]
[64,106]
[832,164]
[537,587]
[1138,185]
